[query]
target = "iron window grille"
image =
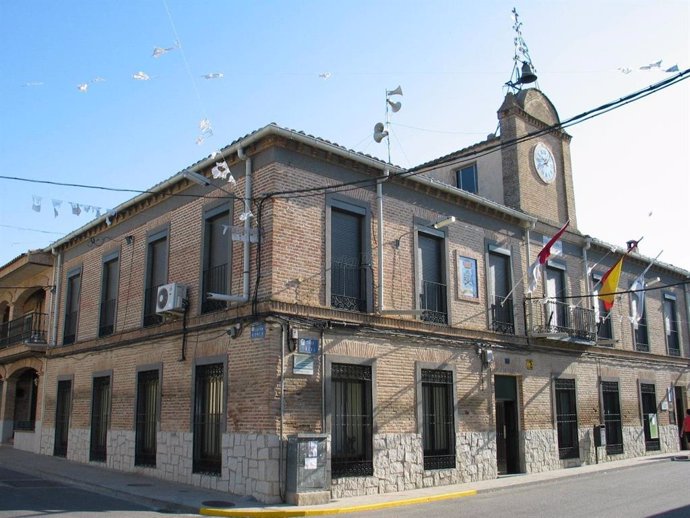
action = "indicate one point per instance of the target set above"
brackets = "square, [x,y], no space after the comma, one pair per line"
[215,280]
[156,276]
[612,417]
[671,326]
[352,421]
[216,255]
[502,320]
[438,430]
[642,335]
[147,419]
[208,414]
[350,261]
[106,322]
[100,410]
[72,309]
[566,419]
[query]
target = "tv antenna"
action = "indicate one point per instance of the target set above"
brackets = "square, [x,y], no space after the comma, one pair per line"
[382,131]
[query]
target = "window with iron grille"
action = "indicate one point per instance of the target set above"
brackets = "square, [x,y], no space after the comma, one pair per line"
[216,258]
[671,326]
[109,284]
[499,284]
[62,413]
[650,417]
[72,307]
[467,178]
[432,282]
[156,275]
[566,419]
[209,401]
[100,414]
[348,260]
[352,421]
[147,418]
[438,426]
[612,417]
[641,334]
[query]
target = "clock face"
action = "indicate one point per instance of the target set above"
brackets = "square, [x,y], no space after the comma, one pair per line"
[544,163]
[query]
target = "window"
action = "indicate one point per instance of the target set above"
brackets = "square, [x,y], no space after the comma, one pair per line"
[147,418]
[352,420]
[432,286]
[499,287]
[556,308]
[109,284]
[650,417]
[438,426]
[349,257]
[603,317]
[209,398]
[641,333]
[62,412]
[467,178]
[671,325]
[156,274]
[612,417]
[72,307]
[566,419]
[100,412]
[216,257]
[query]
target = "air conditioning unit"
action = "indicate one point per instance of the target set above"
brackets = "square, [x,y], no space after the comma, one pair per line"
[170,298]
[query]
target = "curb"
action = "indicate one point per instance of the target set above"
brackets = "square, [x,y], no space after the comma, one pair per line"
[289,513]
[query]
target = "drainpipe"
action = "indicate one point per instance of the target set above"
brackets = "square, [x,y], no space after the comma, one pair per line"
[283,341]
[379,203]
[245,240]
[528,325]
[55,302]
[588,284]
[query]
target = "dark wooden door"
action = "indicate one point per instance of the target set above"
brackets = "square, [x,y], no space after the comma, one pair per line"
[62,411]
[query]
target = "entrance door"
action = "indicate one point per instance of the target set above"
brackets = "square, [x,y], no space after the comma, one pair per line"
[680,412]
[62,412]
[507,430]
[649,417]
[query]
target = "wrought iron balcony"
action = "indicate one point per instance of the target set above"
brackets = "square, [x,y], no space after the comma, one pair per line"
[215,280]
[348,277]
[502,319]
[551,317]
[433,302]
[29,328]
[106,324]
[151,318]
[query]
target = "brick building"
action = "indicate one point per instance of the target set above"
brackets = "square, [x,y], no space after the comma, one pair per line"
[324,291]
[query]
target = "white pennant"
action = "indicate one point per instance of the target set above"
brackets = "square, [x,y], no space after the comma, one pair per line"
[36,204]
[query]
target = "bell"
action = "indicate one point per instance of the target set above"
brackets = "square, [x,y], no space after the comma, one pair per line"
[527,76]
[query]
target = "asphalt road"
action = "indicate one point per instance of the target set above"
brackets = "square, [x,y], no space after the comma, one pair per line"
[26,496]
[660,489]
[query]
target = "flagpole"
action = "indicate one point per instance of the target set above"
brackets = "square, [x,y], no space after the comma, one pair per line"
[626,253]
[513,288]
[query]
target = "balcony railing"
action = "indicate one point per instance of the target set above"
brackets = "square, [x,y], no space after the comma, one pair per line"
[151,318]
[29,328]
[553,317]
[347,284]
[70,332]
[433,302]
[673,341]
[106,324]
[502,319]
[215,280]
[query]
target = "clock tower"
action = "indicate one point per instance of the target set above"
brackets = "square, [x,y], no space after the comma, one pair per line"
[537,174]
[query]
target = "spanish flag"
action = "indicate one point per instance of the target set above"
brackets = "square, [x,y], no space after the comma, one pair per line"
[609,284]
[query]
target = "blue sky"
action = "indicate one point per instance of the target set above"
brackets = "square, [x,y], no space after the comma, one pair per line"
[450,57]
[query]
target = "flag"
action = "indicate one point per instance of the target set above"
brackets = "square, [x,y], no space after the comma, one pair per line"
[609,282]
[637,289]
[535,268]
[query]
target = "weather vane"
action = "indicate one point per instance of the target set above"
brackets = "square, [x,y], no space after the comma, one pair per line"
[523,69]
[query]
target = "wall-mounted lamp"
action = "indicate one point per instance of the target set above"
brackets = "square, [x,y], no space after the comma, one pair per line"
[196,178]
[444,222]
[652,282]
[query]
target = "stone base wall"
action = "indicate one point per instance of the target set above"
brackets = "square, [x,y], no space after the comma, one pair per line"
[120,450]
[28,440]
[399,465]
[541,450]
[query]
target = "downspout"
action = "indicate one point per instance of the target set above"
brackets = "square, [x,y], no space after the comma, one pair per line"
[588,280]
[379,203]
[281,468]
[57,272]
[528,325]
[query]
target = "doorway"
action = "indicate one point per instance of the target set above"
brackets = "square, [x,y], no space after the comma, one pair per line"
[678,399]
[507,425]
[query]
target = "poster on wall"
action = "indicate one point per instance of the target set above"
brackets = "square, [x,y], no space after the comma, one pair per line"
[467,277]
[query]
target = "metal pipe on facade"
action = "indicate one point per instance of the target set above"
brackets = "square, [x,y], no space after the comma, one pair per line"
[247,222]
[588,283]
[379,203]
[55,302]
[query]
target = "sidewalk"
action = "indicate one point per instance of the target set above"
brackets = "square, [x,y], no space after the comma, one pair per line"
[173,497]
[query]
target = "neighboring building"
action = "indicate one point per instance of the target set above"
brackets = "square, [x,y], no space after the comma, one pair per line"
[341,308]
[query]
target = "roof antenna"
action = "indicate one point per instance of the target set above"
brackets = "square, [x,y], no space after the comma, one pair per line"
[523,72]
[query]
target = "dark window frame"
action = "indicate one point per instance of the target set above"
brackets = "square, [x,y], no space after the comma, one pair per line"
[433,298]
[356,208]
[149,315]
[604,325]
[460,178]
[342,468]
[566,418]
[673,345]
[71,315]
[217,277]
[444,458]
[62,415]
[108,306]
[146,446]
[100,416]
[613,420]
[646,388]
[553,268]
[501,318]
[641,334]
[203,463]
